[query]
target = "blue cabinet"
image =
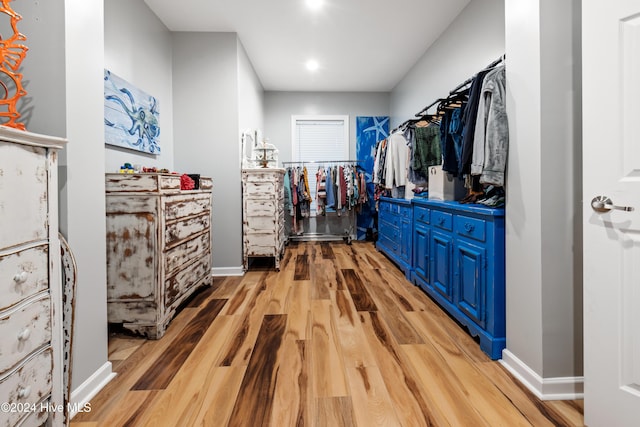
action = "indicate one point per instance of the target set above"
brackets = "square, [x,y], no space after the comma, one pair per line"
[395,227]
[458,259]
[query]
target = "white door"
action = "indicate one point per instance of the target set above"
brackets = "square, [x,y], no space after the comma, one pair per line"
[611,168]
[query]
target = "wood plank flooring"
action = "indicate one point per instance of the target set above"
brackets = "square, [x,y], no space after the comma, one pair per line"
[337,337]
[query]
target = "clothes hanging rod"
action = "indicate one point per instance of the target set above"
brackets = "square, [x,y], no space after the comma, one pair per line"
[319,161]
[460,86]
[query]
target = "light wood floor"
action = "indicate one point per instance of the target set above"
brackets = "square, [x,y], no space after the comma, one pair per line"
[338,337]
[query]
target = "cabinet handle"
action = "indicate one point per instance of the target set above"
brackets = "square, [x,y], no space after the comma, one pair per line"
[21,277]
[469,227]
[441,220]
[24,335]
[24,392]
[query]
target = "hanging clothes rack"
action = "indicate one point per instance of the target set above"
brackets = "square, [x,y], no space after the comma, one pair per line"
[323,225]
[467,82]
[423,114]
[312,162]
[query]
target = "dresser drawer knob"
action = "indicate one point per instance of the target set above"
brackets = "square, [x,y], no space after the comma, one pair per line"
[441,220]
[21,277]
[24,392]
[24,335]
[469,227]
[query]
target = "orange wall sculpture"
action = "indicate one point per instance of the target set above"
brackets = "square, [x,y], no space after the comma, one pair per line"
[12,52]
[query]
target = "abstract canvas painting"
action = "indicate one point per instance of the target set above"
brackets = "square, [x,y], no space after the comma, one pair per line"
[131,116]
[369,130]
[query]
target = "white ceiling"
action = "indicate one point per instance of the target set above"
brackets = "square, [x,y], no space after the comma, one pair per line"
[360,45]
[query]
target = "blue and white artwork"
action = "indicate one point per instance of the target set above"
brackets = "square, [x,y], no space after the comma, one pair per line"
[131,116]
[369,130]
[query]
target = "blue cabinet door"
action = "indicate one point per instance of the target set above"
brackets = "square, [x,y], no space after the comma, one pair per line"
[470,264]
[441,265]
[421,253]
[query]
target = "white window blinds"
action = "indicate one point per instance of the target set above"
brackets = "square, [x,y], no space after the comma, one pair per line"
[319,139]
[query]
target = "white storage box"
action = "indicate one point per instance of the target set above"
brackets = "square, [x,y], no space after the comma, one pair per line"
[443,186]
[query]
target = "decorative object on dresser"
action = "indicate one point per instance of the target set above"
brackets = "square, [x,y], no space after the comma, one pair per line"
[31,323]
[12,52]
[263,214]
[158,248]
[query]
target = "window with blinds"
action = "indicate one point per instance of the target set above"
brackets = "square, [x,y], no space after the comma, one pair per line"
[319,139]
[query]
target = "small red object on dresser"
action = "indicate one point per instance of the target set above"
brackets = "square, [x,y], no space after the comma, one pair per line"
[186,183]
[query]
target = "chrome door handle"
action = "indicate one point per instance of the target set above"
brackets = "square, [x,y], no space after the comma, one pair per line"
[602,204]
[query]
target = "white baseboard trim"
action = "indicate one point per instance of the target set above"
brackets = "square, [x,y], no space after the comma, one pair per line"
[227,271]
[82,395]
[559,388]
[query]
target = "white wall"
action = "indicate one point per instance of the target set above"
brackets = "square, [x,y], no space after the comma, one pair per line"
[524,240]
[206,130]
[84,185]
[544,242]
[470,43]
[137,47]
[250,94]
[280,106]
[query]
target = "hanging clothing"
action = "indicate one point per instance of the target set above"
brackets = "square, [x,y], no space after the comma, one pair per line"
[491,139]
[396,161]
[451,134]
[427,149]
[469,123]
[288,201]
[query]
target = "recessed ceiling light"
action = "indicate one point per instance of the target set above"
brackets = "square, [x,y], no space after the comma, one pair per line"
[312,65]
[315,4]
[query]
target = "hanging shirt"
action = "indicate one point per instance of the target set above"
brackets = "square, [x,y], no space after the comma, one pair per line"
[427,149]
[396,161]
[491,139]
[329,187]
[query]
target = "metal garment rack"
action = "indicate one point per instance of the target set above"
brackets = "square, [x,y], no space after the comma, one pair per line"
[348,234]
[422,114]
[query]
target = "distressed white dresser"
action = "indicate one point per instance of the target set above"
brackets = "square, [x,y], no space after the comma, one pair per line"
[31,365]
[158,248]
[263,214]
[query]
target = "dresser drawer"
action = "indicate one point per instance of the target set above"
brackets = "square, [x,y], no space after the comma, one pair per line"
[405,211]
[23,329]
[176,285]
[182,206]
[259,190]
[260,224]
[255,207]
[22,274]
[187,251]
[390,219]
[28,384]
[142,183]
[23,194]
[176,232]
[470,227]
[258,240]
[421,214]
[442,220]
[257,175]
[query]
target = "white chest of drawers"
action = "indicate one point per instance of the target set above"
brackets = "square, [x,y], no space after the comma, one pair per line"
[263,214]
[31,365]
[158,248]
